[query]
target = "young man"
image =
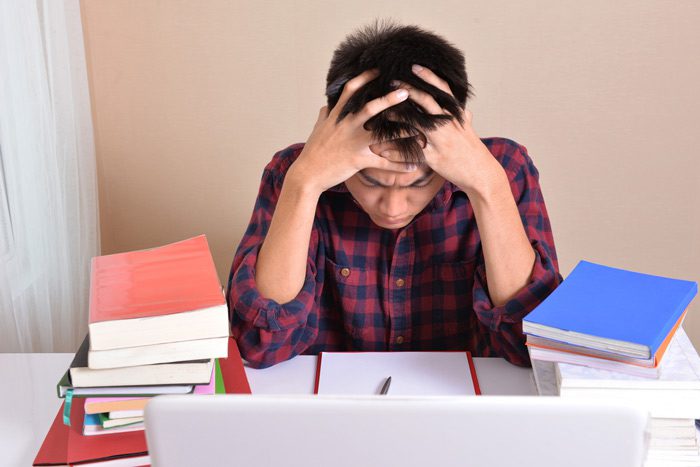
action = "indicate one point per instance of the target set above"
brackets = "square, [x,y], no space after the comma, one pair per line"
[395,227]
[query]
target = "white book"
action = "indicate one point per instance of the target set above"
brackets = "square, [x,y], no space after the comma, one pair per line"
[198,349]
[551,355]
[676,428]
[689,455]
[544,374]
[93,425]
[117,391]
[116,422]
[672,423]
[196,372]
[134,461]
[675,394]
[97,430]
[115,414]
[673,443]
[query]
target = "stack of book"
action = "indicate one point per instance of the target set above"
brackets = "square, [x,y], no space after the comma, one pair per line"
[114,399]
[67,445]
[616,334]
[158,324]
[673,400]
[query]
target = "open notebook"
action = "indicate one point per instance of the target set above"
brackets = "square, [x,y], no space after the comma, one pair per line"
[412,373]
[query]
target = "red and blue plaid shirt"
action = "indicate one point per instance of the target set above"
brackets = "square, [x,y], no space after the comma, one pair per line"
[421,287]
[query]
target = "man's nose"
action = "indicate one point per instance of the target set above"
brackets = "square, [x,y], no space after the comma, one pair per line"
[393,203]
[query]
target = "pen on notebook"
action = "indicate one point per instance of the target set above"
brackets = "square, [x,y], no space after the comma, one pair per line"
[385,387]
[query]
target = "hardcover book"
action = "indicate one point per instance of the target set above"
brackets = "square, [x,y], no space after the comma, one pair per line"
[93,425]
[95,405]
[197,349]
[166,294]
[182,373]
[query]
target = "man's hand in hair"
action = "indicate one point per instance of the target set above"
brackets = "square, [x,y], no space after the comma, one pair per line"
[335,151]
[454,150]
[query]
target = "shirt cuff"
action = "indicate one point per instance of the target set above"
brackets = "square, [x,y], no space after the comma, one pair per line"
[265,313]
[543,280]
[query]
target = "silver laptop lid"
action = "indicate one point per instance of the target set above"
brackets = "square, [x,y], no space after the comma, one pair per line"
[386,431]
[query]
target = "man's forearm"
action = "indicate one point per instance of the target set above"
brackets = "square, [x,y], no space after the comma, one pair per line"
[508,254]
[281,265]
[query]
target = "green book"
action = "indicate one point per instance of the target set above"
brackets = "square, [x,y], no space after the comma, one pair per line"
[109,423]
[220,388]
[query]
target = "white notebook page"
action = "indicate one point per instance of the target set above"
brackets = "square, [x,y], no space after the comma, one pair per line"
[412,373]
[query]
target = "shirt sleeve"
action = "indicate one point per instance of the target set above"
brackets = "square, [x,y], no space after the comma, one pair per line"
[268,332]
[504,323]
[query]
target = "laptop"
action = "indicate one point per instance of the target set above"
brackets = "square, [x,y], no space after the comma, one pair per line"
[307,431]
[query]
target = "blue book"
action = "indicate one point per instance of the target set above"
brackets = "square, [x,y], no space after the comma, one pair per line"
[613,310]
[92,425]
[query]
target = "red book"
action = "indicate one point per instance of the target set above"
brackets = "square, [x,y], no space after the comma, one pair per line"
[66,444]
[235,379]
[166,294]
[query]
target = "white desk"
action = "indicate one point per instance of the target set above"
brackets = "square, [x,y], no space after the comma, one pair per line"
[28,401]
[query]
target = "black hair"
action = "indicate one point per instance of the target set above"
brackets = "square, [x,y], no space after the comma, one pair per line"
[393,49]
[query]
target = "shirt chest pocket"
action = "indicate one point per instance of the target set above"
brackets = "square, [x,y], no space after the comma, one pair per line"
[353,299]
[451,283]
[446,307]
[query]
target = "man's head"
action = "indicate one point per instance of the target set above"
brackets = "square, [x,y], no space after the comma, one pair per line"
[393,49]
[393,199]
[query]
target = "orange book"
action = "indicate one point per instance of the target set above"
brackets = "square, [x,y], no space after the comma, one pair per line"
[95,405]
[166,294]
[546,344]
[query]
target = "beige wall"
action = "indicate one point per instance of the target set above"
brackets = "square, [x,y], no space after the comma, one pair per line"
[191,99]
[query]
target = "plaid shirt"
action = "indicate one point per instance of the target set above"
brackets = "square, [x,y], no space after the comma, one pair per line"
[422,287]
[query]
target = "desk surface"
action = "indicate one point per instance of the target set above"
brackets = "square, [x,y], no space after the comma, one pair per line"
[28,401]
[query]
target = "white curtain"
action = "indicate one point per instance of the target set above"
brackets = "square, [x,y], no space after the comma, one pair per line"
[48,189]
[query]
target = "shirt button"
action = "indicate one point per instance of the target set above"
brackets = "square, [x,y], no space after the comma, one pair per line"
[399,340]
[345,272]
[400,282]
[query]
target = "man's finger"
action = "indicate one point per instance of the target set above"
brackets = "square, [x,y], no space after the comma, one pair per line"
[468,116]
[380,104]
[352,86]
[429,77]
[378,162]
[423,99]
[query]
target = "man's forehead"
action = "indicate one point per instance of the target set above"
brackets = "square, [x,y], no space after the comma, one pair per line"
[390,177]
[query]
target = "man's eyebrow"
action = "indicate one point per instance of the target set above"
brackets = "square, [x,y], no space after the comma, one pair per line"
[428,174]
